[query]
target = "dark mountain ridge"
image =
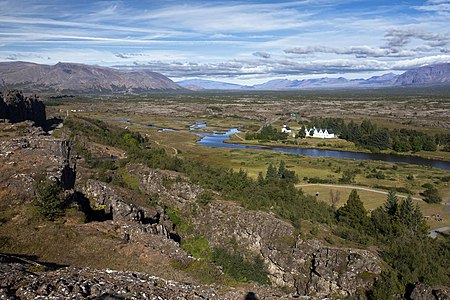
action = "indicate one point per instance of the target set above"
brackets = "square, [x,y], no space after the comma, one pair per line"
[71,77]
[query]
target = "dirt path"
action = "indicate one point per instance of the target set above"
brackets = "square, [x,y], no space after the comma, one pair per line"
[354,188]
[268,122]
[173,148]
[239,137]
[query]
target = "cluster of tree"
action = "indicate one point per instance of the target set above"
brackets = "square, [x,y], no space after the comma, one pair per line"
[370,136]
[399,229]
[337,124]
[267,133]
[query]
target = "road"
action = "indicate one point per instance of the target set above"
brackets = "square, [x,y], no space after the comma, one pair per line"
[434,233]
[354,188]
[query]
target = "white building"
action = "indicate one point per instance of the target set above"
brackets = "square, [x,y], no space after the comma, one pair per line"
[319,133]
[288,130]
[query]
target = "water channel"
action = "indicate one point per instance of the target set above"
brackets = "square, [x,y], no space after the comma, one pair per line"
[218,141]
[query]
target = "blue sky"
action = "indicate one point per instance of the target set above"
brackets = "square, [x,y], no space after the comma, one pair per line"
[234,41]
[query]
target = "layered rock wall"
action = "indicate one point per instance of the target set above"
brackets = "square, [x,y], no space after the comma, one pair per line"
[15,107]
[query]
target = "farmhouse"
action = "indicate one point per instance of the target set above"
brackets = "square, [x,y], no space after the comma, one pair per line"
[319,133]
[288,130]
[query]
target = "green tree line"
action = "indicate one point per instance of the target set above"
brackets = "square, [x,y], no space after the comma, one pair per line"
[368,135]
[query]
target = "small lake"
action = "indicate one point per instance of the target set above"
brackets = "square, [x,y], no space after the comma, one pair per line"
[218,141]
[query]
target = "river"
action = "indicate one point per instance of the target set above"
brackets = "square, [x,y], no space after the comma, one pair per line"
[218,141]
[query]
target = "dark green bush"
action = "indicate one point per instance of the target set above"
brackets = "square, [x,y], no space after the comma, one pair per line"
[239,269]
[49,200]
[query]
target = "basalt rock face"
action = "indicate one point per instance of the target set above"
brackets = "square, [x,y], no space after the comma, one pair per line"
[27,151]
[172,187]
[424,292]
[134,223]
[15,107]
[309,266]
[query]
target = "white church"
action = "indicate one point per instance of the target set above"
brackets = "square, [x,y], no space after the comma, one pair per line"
[319,133]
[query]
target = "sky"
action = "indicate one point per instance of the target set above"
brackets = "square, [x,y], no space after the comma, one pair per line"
[244,42]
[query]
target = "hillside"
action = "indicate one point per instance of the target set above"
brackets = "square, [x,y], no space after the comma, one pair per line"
[72,77]
[427,75]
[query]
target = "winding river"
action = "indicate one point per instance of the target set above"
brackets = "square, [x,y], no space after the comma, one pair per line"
[218,141]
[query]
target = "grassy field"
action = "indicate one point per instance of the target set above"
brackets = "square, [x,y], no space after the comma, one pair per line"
[373,200]
[249,111]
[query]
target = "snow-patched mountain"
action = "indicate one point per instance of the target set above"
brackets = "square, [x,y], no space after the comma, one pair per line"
[80,78]
[438,74]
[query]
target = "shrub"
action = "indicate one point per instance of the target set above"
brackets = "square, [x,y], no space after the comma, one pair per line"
[49,201]
[239,269]
[431,195]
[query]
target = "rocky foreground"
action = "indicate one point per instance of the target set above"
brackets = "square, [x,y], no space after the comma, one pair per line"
[298,266]
[25,279]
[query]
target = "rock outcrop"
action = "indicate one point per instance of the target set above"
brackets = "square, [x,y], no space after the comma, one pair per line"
[424,292]
[172,187]
[307,266]
[15,107]
[148,226]
[28,151]
[25,279]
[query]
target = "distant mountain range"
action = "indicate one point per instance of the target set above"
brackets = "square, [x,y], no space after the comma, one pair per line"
[70,77]
[80,78]
[438,74]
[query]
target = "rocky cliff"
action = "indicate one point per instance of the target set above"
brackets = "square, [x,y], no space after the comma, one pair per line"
[306,266]
[26,151]
[15,107]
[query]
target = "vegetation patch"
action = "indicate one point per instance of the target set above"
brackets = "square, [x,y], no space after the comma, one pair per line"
[239,269]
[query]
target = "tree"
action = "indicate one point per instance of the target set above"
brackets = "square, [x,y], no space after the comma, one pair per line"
[391,205]
[431,194]
[401,144]
[387,286]
[49,201]
[429,144]
[302,133]
[417,143]
[353,212]
[412,217]
[282,169]
[260,179]
[379,139]
[334,198]
[406,211]
[271,172]
[367,127]
[348,176]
